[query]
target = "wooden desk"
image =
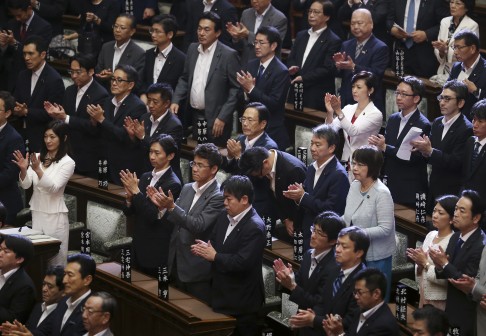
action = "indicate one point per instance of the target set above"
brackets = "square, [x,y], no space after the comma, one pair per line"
[405,223]
[141,312]
[281,250]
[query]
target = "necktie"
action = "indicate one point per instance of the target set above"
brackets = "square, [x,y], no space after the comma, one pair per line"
[337,283]
[313,266]
[23,31]
[410,22]
[475,154]
[457,248]
[359,48]
[261,69]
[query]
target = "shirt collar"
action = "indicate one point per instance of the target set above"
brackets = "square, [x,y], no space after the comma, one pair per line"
[264,12]
[208,50]
[48,308]
[467,235]
[9,273]
[39,71]
[27,23]
[84,88]
[251,143]
[202,188]
[274,166]
[371,311]
[236,219]
[316,167]
[265,64]
[118,103]
[165,52]
[469,70]
[451,121]
[159,174]
[407,117]
[122,47]
[320,256]
[74,304]
[158,119]
[317,32]
[348,271]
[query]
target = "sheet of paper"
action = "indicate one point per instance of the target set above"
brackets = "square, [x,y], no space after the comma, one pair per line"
[405,150]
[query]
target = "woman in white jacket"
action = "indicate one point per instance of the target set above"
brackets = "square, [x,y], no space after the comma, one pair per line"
[49,172]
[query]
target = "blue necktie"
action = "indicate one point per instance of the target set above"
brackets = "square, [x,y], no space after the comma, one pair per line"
[337,283]
[457,248]
[410,22]
[475,154]
[261,69]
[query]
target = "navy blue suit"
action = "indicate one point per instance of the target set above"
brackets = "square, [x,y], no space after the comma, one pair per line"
[374,58]
[478,77]
[271,90]
[381,323]
[474,176]
[49,87]
[17,297]
[318,71]
[52,11]
[84,136]
[10,141]
[170,73]
[405,178]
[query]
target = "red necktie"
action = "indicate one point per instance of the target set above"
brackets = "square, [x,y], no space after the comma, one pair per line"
[23,31]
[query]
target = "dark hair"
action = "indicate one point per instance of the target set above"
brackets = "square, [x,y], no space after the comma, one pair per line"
[164,89]
[469,4]
[416,84]
[374,278]
[39,42]
[168,23]
[212,16]
[458,87]
[8,100]
[327,7]
[372,157]
[272,34]
[327,132]
[86,61]
[470,38]
[435,319]
[478,110]
[368,78]
[19,4]
[448,202]
[108,304]
[251,160]
[167,143]
[20,245]
[238,186]
[3,213]
[263,113]
[359,237]
[132,74]
[132,18]
[330,223]
[60,129]
[57,271]
[210,152]
[86,263]
[477,204]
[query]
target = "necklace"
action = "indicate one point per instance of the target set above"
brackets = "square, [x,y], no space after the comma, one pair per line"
[367,188]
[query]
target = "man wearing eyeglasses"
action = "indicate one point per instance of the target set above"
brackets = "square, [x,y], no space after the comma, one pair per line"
[123,50]
[405,175]
[98,312]
[84,137]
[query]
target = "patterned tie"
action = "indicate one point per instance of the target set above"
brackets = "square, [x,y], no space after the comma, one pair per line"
[337,283]
[410,22]
[359,48]
[475,154]
[457,248]
[261,69]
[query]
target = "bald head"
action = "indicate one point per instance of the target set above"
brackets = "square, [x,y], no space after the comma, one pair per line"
[361,24]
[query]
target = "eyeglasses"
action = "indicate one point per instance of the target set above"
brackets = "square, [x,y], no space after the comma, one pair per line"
[359,292]
[255,43]
[193,164]
[445,98]
[359,164]
[318,232]
[117,27]
[456,47]
[119,80]
[90,311]
[155,31]
[403,94]
[245,119]
[315,12]
[75,72]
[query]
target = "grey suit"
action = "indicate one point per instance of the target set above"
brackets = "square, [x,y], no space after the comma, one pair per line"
[273,17]
[221,92]
[478,291]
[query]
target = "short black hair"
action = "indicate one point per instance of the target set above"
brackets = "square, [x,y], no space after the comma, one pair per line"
[210,152]
[330,223]
[238,186]
[470,38]
[8,100]
[272,34]
[20,245]
[39,42]
[168,23]
[458,87]
[372,157]
[3,213]
[86,263]
[416,84]
[327,7]
[167,143]
[263,113]
[58,272]
[61,129]
[435,319]
[215,18]
[132,18]
[251,160]
[359,237]
[374,279]
[86,61]
[478,111]
[132,74]
[477,204]
[448,202]
[19,4]
[369,78]
[164,89]
[327,132]
[109,302]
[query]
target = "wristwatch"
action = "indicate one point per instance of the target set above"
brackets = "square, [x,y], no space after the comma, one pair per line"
[341,117]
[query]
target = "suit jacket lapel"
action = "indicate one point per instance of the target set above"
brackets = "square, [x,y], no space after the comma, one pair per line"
[236,231]
[203,197]
[477,72]
[479,160]
[40,82]
[215,62]
[411,122]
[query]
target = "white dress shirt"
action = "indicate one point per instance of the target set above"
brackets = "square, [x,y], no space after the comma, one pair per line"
[448,124]
[233,221]
[200,77]
[118,53]
[313,36]
[160,62]
[35,77]
[71,306]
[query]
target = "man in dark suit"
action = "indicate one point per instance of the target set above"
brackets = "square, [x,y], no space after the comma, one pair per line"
[208,83]
[35,85]
[118,149]
[10,141]
[474,165]
[310,60]
[406,175]
[51,11]
[123,50]
[84,136]
[445,148]
[470,68]
[235,251]
[272,172]
[195,8]
[266,80]
[337,295]
[462,256]
[364,52]
[414,30]
[326,182]
[17,291]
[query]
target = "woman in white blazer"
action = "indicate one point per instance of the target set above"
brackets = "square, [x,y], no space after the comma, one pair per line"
[49,172]
[369,205]
[449,26]
[358,121]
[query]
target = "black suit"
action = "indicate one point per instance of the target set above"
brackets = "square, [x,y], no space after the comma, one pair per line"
[35,316]
[84,136]
[151,235]
[170,73]
[405,178]
[17,297]
[119,150]
[460,308]
[478,77]
[52,11]
[49,87]
[318,71]
[381,323]
[474,177]
[271,90]
[10,141]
